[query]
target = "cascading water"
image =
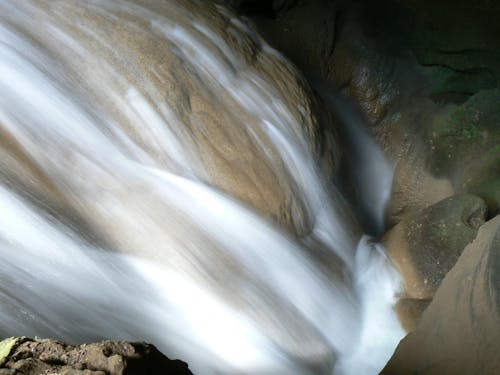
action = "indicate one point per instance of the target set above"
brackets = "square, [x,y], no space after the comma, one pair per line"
[115,221]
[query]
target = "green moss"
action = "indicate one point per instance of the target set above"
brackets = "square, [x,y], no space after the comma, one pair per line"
[480,112]
[464,125]
[462,135]
[6,347]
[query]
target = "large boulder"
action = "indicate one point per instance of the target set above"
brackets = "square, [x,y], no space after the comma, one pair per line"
[207,84]
[460,330]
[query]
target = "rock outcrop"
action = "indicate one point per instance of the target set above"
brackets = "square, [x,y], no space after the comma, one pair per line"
[425,246]
[425,82]
[460,331]
[25,356]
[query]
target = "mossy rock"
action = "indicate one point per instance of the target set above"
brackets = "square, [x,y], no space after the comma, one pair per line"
[466,122]
[6,347]
[481,111]
[464,146]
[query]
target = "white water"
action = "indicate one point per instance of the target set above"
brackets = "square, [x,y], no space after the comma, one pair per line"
[108,234]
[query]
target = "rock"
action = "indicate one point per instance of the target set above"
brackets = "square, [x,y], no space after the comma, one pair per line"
[465,146]
[405,79]
[414,188]
[410,311]
[454,42]
[214,87]
[460,331]
[455,151]
[425,246]
[44,356]
[323,39]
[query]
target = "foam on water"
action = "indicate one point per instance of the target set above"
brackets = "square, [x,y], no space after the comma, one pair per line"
[110,227]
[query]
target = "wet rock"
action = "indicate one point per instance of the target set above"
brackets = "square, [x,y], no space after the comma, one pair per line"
[410,312]
[451,150]
[208,81]
[425,246]
[405,63]
[460,330]
[324,40]
[44,356]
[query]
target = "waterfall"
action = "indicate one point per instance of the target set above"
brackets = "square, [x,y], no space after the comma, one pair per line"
[116,222]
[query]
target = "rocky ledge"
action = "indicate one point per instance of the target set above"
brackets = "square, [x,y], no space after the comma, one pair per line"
[19,356]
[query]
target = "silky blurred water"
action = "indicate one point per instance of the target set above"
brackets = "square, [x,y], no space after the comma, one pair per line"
[111,227]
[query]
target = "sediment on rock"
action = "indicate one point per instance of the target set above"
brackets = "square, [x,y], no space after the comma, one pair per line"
[25,356]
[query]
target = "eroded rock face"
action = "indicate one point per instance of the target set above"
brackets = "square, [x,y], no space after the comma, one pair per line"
[36,356]
[460,331]
[463,146]
[455,42]
[414,187]
[425,246]
[211,80]
[410,67]
[323,39]
[452,149]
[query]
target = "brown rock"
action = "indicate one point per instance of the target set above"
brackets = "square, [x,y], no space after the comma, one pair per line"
[325,41]
[108,357]
[210,83]
[414,188]
[410,311]
[460,331]
[426,245]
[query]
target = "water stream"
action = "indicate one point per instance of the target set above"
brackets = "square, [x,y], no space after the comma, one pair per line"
[114,225]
